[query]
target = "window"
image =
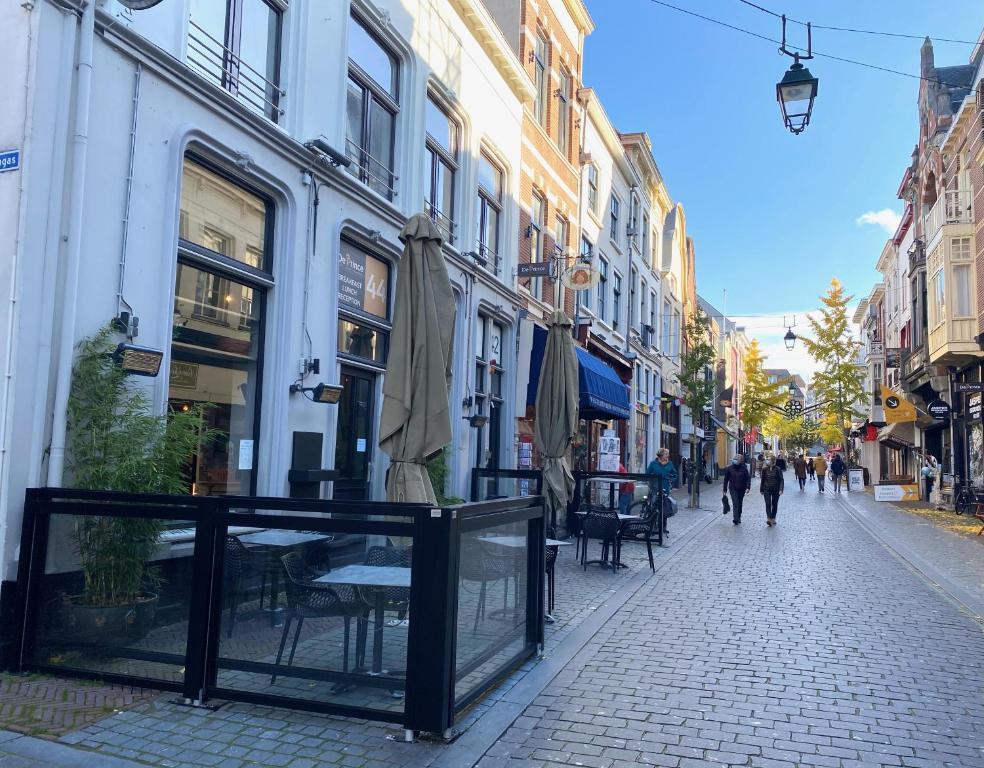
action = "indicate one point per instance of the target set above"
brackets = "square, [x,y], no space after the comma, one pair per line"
[489,391]
[541,79]
[615,208]
[236,44]
[602,286]
[665,322]
[583,298]
[222,279]
[633,288]
[961,291]
[489,212]
[564,95]
[370,110]
[645,236]
[652,317]
[642,312]
[675,334]
[616,299]
[938,314]
[632,226]
[441,167]
[638,382]
[537,213]
[562,233]
[593,187]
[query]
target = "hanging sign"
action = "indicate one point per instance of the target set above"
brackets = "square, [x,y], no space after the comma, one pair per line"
[580,277]
[362,281]
[534,269]
[974,406]
[897,409]
[939,410]
[968,386]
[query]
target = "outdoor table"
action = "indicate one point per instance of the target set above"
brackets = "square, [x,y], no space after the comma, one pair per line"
[375,578]
[273,541]
[622,520]
[520,541]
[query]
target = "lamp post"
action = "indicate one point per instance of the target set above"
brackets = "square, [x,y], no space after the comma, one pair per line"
[789,339]
[798,88]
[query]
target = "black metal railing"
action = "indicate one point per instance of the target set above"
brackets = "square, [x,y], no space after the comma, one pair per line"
[605,492]
[362,609]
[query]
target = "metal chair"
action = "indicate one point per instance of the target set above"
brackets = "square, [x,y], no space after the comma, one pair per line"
[602,525]
[308,599]
[238,565]
[645,529]
[550,564]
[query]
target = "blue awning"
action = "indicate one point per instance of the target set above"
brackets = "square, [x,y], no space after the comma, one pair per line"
[602,392]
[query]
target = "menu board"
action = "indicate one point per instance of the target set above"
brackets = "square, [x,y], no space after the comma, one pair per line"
[362,281]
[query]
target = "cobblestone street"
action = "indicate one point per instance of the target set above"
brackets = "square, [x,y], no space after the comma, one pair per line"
[811,644]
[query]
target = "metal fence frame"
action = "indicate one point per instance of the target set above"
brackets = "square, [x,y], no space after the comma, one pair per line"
[430,703]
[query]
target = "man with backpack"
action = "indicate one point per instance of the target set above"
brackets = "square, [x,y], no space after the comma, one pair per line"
[837,468]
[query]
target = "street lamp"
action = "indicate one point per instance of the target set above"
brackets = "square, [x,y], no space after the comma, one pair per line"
[789,339]
[795,94]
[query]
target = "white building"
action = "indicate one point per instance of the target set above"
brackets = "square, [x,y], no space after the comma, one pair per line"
[166,175]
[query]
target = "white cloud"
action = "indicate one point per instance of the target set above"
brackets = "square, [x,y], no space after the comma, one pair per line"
[886,218]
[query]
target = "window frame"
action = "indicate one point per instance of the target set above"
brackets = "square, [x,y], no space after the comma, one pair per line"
[487,201]
[541,77]
[593,196]
[538,204]
[616,299]
[437,156]
[602,286]
[614,213]
[564,99]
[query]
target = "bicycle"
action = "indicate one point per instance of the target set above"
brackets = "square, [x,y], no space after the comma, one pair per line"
[966,498]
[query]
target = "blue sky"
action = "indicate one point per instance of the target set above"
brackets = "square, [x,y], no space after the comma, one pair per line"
[773,216]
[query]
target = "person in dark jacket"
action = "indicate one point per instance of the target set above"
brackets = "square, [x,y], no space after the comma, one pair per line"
[799,467]
[666,477]
[781,463]
[737,483]
[811,469]
[771,487]
[837,468]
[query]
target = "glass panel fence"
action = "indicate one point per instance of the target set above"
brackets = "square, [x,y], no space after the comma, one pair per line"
[497,484]
[115,596]
[492,596]
[316,615]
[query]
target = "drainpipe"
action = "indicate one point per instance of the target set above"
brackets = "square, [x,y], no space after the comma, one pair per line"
[73,256]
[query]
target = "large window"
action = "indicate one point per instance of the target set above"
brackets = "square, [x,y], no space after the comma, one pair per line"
[538,212]
[371,109]
[541,78]
[602,286]
[564,96]
[666,324]
[938,304]
[442,165]
[616,300]
[220,290]
[961,291]
[633,292]
[645,237]
[593,187]
[363,304]
[236,44]
[489,376]
[653,309]
[583,298]
[615,209]
[642,313]
[489,212]
[632,226]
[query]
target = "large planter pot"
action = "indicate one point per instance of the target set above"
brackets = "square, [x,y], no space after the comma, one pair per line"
[109,623]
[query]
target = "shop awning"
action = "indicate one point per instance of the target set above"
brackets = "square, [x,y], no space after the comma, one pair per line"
[601,392]
[721,425]
[726,397]
[899,436]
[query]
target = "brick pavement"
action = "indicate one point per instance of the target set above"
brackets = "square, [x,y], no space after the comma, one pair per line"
[805,645]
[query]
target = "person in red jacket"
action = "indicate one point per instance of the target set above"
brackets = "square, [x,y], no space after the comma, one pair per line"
[626,492]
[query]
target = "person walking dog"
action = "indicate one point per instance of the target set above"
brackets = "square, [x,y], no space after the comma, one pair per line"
[820,465]
[737,483]
[837,467]
[771,486]
[799,467]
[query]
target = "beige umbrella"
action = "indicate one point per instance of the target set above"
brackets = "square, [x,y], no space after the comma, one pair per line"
[556,413]
[416,418]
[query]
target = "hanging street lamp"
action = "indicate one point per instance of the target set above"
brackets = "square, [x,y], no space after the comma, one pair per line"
[798,88]
[789,339]
[795,94]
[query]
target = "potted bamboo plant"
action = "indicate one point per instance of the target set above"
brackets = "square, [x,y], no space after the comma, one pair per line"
[116,442]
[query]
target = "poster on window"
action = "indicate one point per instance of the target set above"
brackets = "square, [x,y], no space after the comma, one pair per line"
[362,281]
[975,454]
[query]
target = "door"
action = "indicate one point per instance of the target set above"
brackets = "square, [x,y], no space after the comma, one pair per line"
[354,441]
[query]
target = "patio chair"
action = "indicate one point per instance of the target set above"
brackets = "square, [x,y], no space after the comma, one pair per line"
[575,523]
[550,564]
[308,599]
[238,567]
[645,529]
[602,525]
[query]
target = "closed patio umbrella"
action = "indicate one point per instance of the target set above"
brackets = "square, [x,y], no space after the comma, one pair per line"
[556,413]
[416,417]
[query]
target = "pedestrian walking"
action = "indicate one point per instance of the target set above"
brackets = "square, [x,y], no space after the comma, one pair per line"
[811,469]
[781,463]
[837,468]
[928,473]
[626,492]
[771,486]
[760,462]
[737,484]
[820,465]
[799,467]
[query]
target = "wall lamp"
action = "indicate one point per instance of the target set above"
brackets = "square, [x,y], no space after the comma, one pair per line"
[328,154]
[476,421]
[322,393]
[139,361]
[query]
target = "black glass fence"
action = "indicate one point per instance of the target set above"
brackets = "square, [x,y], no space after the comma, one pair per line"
[487,484]
[396,612]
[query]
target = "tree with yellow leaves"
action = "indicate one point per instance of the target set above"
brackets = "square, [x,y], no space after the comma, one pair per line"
[758,395]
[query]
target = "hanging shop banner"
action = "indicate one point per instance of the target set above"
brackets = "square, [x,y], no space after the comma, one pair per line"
[974,406]
[897,409]
[939,410]
[968,386]
[362,281]
[896,493]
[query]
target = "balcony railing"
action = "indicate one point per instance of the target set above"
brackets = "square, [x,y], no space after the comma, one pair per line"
[953,207]
[222,65]
[372,172]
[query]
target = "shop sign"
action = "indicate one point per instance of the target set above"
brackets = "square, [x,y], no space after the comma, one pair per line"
[183,375]
[897,408]
[855,480]
[968,386]
[974,406]
[609,449]
[939,410]
[362,281]
[534,269]
[896,493]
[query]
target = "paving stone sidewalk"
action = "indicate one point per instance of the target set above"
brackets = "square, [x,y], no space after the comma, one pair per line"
[809,644]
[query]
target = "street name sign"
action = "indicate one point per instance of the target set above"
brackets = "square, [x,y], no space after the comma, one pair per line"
[896,493]
[9,160]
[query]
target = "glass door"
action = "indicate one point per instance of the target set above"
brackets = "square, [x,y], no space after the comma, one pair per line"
[354,441]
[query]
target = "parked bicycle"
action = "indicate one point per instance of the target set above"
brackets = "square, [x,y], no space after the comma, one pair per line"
[968,499]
